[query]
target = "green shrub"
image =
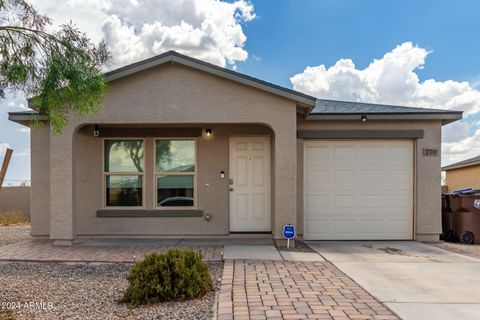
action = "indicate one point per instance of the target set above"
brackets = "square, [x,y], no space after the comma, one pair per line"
[177,274]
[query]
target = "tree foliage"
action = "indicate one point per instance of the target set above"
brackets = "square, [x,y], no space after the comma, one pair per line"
[60,69]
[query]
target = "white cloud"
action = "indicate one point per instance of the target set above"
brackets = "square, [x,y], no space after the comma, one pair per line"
[24,130]
[210,30]
[14,100]
[206,29]
[455,131]
[3,147]
[393,80]
[463,149]
[21,154]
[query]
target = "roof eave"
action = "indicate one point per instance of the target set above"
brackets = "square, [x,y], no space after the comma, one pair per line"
[26,118]
[446,118]
[459,166]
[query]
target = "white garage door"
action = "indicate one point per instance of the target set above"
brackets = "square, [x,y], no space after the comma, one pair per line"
[358,189]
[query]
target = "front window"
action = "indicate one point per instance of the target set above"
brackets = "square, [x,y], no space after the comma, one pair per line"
[123,173]
[175,172]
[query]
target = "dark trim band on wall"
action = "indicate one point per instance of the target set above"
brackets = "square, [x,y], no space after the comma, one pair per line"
[360,134]
[151,132]
[149,213]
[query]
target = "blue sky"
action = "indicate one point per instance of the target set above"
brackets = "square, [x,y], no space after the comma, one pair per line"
[293,34]
[277,40]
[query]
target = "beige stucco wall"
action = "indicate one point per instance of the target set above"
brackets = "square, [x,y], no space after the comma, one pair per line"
[427,169]
[66,177]
[468,177]
[212,158]
[170,94]
[40,176]
[15,199]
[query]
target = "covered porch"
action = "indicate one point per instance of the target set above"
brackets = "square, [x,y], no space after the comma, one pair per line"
[173,181]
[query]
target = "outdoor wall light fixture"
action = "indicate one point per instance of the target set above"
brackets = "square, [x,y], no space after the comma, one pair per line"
[364,117]
[96,131]
[208,132]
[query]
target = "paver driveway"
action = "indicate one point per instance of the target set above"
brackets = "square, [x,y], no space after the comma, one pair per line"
[263,289]
[415,280]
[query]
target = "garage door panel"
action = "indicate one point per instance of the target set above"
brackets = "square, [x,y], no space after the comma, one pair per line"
[399,226]
[344,201]
[358,189]
[371,226]
[371,201]
[343,226]
[316,153]
[367,176]
[400,175]
[317,178]
[371,154]
[317,201]
[399,201]
[344,153]
[344,176]
[318,227]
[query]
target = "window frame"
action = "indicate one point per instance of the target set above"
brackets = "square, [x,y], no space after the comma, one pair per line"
[129,174]
[160,173]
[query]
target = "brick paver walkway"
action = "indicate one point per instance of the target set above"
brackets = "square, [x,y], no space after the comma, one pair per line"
[42,251]
[255,289]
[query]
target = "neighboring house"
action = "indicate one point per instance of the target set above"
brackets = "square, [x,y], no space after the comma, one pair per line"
[462,175]
[184,148]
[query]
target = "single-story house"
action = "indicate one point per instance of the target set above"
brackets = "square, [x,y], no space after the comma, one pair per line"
[463,174]
[183,148]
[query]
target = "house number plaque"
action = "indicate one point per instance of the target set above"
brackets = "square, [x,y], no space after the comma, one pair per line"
[427,152]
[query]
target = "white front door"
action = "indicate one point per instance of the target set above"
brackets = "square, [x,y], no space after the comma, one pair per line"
[250,184]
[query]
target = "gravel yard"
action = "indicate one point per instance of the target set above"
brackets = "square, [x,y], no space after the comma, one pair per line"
[88,291]
[12,234]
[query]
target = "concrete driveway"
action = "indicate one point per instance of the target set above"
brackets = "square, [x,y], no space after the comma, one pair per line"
[415,280]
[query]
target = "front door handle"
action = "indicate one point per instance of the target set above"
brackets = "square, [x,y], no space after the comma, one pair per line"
[231,189]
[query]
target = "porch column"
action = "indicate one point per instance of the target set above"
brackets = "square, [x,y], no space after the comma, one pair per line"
[61,187]
[285,175]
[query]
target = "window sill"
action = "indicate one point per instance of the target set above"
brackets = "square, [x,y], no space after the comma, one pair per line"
[149,213]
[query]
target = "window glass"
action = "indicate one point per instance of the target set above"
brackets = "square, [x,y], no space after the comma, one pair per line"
[123,191]
[175,191]
[124,156]
[175,155]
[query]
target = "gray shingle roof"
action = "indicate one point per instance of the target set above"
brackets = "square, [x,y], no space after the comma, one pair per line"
[464,163]
[347,107]
[323,109]
[346,110]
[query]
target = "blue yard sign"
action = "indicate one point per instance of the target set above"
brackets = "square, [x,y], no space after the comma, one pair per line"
[288,231]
